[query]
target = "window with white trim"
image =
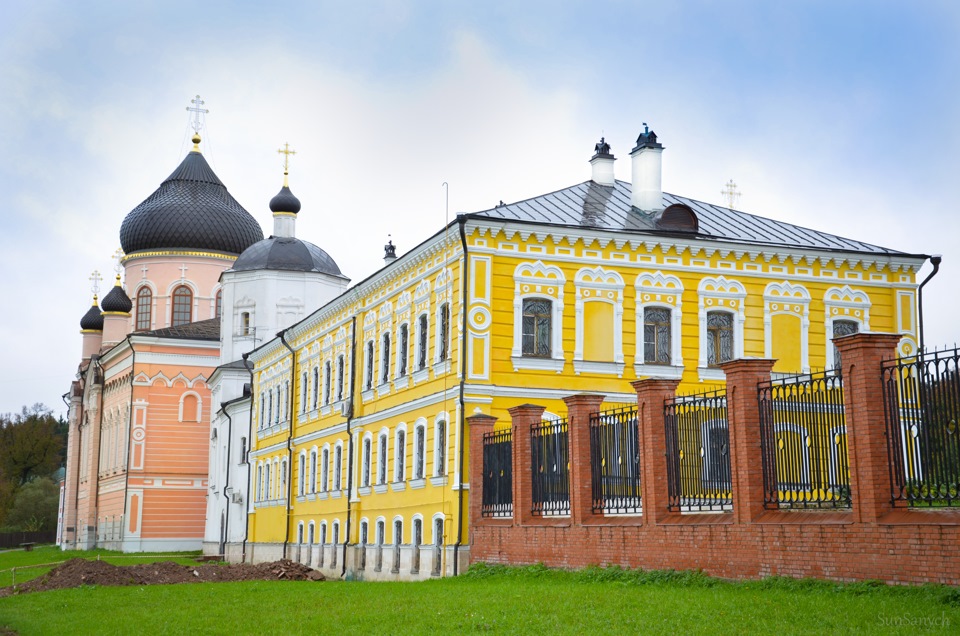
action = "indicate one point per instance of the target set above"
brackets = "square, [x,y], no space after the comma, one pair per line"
[419,450]
[399,454]
[368,367]
[423,328]
[313,469]
[719,337]
[440,447]
[326,382]
[301,474]
[537,327]
[721,316]
[385,358]
[316,387]
[843,304]
[366,462]
[403,349]
[443,332]
[337,467]
[340,372]
[382,458]
[599,322]
[303,392]
[325,469]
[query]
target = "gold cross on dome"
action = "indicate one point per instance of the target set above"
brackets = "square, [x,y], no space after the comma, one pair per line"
[286,152]
[197,111]
[95,279]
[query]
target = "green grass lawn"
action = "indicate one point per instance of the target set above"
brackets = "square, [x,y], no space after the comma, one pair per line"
[520,601]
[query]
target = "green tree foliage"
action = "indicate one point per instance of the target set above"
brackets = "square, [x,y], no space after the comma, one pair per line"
[32,444]
[35,506]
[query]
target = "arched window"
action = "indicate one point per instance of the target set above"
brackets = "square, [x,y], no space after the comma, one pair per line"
[337,467]
[370,371]
[339,378]
[326,382]
[301,476]
[399,455]
[219,306]
[443,333]
[325,470]
[422,328]
[144,308]
[182,306]
[303,392]
[313,469]
[419,451]
[367,460]
[382,458]
[842,328]
[403,350]
[720,344]
[316,387]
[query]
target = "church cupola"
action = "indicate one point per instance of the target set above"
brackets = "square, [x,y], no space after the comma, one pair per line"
[646,191]
[285,205]
[91,326]
[602,164]
[115,308]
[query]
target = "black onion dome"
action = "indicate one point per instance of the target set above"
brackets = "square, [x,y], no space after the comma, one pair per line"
[285,201]
[117,300]
[190,210]
[93,319]
[286,253]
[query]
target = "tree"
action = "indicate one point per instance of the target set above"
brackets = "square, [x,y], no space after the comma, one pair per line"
[35,506]
[32,444]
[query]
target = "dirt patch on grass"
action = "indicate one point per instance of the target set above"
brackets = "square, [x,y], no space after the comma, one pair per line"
[77,572]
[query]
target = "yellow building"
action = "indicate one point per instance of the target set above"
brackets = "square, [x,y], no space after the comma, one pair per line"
[358,451]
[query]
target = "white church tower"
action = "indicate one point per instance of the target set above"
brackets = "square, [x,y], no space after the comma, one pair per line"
[272,285]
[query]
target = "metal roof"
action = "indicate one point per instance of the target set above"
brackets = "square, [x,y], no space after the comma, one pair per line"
[601,207]
[201,330]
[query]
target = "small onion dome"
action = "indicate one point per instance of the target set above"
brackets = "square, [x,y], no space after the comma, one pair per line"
[117,300]
[285,201]
[92,320]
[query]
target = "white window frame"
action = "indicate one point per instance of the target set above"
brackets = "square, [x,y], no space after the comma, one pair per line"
[720,294]
[419,462]
[596,284]
[538,280]
[791,300]
[660,291]
[399,464]
[441,456]
[383,460]
[843,303]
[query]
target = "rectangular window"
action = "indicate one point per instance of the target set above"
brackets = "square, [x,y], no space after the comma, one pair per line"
[369,383]
[382,455]
[340,378]
[337,467]
[324,470]
[444,333]
[367,458]
[842,328]
[402,350]
[719,338]
[422,342]
[385,360]
[399,455]
[303,392]
[326,382]
[656,335]
[536,328]
[419,452]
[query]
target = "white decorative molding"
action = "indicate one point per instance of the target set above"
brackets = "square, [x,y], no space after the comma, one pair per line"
[599,285]
[537,280]
[656,289]
[844,303]
[720,294]
[792,300]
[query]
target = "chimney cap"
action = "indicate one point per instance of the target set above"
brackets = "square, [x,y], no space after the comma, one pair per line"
[647,139]
[390,250]
[602,150]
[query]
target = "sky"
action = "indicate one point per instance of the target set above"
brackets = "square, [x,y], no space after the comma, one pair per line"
[839,116]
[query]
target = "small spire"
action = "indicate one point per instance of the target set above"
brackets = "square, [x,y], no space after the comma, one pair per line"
[96,301]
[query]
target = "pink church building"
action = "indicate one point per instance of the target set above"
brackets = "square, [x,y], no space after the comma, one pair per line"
[140,407]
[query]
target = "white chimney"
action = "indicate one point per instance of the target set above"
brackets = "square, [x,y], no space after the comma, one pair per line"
[602,163]
[647,193]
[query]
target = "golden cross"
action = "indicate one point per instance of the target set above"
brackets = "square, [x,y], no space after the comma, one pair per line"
[731,193]
[197,111]
[95,278]
[286,152]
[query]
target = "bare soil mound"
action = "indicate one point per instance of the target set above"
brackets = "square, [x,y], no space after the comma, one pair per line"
[77,572]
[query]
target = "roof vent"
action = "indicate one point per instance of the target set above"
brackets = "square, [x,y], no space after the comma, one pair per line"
[678,218]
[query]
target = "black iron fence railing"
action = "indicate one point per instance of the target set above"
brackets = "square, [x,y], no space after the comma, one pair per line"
[497,474]
[698,453]
[615,461]
[803,441]
[922,406]
[550,455]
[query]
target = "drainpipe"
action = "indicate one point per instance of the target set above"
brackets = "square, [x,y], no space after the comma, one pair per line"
[353,375]
[935,261]
[126,453]
[249,493]
[464,277]
[290,415]
[226,481]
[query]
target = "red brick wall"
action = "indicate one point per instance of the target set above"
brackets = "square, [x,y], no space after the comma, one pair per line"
[873,540]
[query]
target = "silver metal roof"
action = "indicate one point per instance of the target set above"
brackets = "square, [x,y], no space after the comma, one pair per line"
[592,205]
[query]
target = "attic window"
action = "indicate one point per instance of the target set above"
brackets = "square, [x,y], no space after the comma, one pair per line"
[679,218]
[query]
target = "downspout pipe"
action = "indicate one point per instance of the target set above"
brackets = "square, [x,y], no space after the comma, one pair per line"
[935,261]
[290,415]
[464,277]
[226,481]
[350,449]
[249,493]
[126,452]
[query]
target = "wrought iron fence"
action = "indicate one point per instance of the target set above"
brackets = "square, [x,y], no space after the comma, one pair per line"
[922,406]
[698,453]
[497,474]
[803,442]
[615,461]
[550,455]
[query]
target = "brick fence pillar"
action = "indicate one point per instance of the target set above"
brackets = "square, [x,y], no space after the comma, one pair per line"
[861,355]
[579,408]
[743,417]
[523,417]
[480,424]
[651,395]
